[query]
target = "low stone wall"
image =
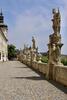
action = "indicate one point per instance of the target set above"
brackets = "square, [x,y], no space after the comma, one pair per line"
[28,63]
[35,65]
[41,67]
[61,74]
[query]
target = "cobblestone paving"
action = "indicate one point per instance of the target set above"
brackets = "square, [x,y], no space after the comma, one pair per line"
[18,82]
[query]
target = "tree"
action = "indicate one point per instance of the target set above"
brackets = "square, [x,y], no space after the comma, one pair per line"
[11,51]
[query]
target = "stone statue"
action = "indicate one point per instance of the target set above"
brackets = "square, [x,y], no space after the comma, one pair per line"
[54,46]
[55,39]
[56,53]
[56,21]
[33,43]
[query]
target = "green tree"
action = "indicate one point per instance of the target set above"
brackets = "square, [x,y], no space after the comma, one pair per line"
[11,51]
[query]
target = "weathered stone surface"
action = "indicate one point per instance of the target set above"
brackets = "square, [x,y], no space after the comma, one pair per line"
[61,74]
[55,44]
[3,39]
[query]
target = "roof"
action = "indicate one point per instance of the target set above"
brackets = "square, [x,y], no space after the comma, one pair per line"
[3,34]
[3,25]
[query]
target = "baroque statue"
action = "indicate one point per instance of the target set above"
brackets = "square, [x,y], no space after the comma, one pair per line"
[55,39]
[33,43]
[56,21]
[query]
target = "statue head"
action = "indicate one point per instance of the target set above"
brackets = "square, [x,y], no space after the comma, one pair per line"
[53,11]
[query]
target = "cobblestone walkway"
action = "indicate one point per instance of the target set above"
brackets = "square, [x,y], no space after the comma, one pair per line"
[18,82]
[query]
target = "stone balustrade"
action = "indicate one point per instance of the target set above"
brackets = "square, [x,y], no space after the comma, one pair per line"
[41,67]
[59,72]
[54,70]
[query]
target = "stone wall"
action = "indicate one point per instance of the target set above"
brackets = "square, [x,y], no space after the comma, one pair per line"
[41,67]
[59,72]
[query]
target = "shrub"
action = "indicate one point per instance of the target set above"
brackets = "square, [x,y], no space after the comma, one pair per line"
[64,61]
[44,59]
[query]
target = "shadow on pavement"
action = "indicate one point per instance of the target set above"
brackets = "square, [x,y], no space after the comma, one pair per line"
[21,67]
[42,77]
[58,85]
[37,78]
[30,78]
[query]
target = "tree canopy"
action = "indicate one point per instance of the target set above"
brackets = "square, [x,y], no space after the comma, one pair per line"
[11,51]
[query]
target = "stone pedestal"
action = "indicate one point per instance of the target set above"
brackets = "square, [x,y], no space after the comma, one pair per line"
[54,45]
[55,53]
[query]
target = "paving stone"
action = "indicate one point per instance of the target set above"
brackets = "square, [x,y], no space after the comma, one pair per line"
[18,82]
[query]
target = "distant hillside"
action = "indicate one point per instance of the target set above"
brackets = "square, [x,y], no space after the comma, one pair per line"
[46,53]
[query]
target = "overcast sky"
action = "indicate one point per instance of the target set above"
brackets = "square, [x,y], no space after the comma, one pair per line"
[27,18]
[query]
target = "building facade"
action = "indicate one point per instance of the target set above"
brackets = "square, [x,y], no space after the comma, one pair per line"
[3,39]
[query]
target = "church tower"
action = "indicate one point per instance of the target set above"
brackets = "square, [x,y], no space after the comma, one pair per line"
[3,39]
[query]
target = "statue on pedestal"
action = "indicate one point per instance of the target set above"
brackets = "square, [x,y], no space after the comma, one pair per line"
[54,46]
[55,39]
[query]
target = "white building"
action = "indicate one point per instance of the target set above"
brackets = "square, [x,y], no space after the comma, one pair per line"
[3,39]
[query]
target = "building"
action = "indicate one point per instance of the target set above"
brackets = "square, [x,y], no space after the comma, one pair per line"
[3,39]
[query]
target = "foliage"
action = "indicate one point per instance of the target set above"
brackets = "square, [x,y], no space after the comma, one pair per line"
[44,59]
[64,61]
[11,51]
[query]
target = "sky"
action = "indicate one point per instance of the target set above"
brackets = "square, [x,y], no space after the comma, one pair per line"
[27,18]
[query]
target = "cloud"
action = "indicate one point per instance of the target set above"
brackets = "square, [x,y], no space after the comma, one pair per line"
[33,17]
[37,21]
[30,23]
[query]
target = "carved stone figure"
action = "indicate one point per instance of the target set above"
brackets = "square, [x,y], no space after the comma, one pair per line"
[33,43]
[55,39]
[56,21]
